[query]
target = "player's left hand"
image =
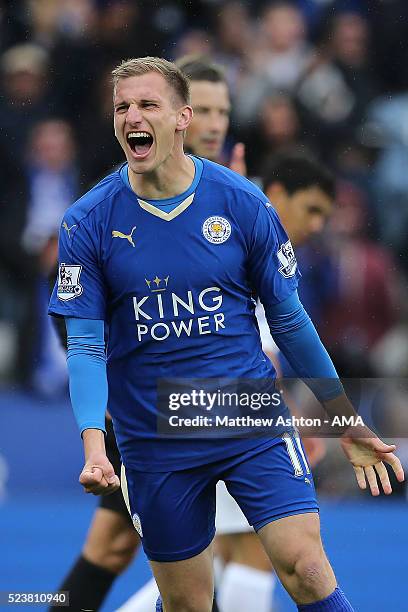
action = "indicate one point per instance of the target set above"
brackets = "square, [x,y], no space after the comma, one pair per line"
[367,454]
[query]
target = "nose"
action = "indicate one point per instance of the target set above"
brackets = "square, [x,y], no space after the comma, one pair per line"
[133,115]
[217,122]
[316,225]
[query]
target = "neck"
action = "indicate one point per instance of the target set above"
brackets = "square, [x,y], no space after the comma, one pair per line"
[171,178]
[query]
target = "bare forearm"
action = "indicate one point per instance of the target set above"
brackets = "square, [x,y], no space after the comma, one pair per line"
[339,406]
[94,442]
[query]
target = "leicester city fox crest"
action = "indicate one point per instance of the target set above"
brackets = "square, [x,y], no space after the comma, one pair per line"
[287,259]
[68,282]
[216,229]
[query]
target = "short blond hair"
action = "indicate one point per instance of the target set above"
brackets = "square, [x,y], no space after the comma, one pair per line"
[143,65]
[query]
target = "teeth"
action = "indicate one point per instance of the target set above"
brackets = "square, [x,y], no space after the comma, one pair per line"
[138,135]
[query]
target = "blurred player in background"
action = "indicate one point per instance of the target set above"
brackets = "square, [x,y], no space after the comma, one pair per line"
[302,191]
[211,104]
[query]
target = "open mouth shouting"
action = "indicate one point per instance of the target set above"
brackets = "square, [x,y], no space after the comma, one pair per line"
[140,143]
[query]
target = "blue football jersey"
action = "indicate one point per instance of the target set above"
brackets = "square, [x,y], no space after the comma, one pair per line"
[174,281]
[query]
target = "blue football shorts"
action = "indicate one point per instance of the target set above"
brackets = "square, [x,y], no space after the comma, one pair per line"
[174,512]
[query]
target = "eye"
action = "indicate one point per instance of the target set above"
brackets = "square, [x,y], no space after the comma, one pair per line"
[121,108]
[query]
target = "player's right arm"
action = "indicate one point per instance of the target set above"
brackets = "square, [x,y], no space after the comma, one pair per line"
[86,359]
[80,297]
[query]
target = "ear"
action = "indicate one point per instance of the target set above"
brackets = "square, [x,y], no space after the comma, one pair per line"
[275,191]
[184,117]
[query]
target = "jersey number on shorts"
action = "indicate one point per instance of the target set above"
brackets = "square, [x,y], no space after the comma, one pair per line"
[294,448]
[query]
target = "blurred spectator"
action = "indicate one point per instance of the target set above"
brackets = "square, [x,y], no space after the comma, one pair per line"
[94,36]
[348,39]
[277,56]
[339,84]
[364,304]
[53,185]
[194,42]
[234,37]
[387,130]
[278,127]
[53,179]
[25,94]
[282,49]
[12,26]
[124,32]
[74,53]
[17,272]
[51,20]
[234,30]
[25,99]
[389,21]
[99,149]
[56,59]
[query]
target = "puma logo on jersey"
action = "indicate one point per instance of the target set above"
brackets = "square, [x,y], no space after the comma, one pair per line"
[128,237]
[68,229]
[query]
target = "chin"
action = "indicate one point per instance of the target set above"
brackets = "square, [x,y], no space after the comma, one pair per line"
[140,167]
[211,155]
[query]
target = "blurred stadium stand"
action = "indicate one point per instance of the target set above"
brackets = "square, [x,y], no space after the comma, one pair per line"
[303,74]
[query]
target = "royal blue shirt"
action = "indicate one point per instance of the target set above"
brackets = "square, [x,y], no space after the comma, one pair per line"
[174,281]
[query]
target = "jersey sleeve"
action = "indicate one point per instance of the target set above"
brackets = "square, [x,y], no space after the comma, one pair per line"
[86,361]
[79,290]
[273,269]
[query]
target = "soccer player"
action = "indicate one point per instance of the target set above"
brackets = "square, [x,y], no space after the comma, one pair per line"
[302,191]
[168,251]
[211,104]
[112,541]
[247,577]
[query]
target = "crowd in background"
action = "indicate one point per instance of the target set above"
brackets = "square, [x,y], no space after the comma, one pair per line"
[326,76]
